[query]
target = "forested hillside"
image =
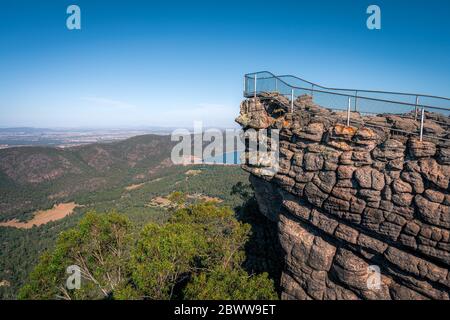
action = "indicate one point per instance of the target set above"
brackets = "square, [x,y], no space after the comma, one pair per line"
[197,254]
[132,178]
[34,178]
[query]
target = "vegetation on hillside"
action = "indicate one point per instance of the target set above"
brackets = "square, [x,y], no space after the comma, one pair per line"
[33,178]
[98,178]
[20,249]
[197,254]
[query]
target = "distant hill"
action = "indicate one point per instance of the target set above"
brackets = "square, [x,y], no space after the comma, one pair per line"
[27,130]
[35,177]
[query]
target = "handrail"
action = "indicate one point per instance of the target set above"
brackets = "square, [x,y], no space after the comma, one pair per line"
[367,98]
[365,122]
[355,97]
[340,89]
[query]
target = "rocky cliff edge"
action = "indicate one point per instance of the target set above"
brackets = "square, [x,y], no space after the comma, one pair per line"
[352,200]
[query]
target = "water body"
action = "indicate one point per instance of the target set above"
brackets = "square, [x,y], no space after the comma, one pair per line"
[228,158]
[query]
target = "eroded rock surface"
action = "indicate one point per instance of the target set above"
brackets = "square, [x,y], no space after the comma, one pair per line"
[349,200]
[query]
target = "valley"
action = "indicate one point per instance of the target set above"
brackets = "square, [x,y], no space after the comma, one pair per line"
[44,191]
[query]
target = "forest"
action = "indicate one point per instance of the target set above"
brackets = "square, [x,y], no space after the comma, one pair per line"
[197,254]
[21,248]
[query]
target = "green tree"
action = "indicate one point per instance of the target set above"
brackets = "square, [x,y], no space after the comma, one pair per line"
[224,234]
[99,246]
[197,254]
[178,198]
[230,284]
[163,257]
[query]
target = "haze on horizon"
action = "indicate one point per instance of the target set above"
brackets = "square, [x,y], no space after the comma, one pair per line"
[136,64]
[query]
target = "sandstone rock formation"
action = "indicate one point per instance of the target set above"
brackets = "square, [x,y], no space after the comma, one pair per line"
[349,200]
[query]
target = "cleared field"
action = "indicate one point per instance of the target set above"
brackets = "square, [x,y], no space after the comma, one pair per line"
[164,202]
[58,212]
[134,186]
[193,172]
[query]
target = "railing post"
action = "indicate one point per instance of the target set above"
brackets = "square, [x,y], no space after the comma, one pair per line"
[416,112]
[276,84]
[292,100]
[312,91]
[348,111]
[422,119]
[356,101]
[255,86]
[245,86]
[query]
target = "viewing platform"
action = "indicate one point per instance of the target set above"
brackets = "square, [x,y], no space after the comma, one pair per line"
[423,115]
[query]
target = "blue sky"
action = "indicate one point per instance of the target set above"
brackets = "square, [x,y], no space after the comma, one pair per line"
[167,63]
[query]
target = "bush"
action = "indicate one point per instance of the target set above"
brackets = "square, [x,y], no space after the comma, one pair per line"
[197,254]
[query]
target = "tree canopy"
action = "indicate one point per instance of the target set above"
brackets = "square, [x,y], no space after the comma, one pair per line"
[197,254]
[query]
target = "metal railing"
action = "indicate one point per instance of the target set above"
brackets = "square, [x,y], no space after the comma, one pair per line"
[421,108]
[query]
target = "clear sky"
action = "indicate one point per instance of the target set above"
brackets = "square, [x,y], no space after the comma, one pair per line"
[167,63]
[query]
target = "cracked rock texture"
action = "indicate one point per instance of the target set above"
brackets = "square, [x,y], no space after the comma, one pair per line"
[348,199]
